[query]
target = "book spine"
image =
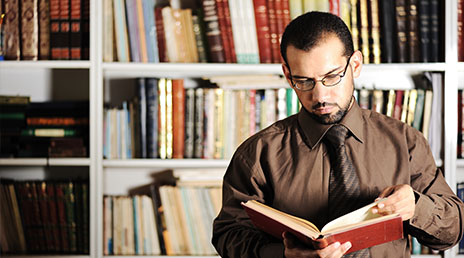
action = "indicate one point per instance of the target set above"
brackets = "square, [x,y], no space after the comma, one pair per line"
[44,29]
[424,29]
[65,29]
[150,30]
[85,27]
[178,118]
[223,29]
[364,27]
[189,123]
[142,38]
[199,123]
[12,49]
[199,39]
[213,32]
[151,118]
[262,30]
[29,30]
[133,30]
[225,4]
[76,30]
[434,30]
[120,29]
[162,127]
[273,31]
[413,31]
[401,25]
[375,31]
[388,35]
[354,24]
[160,36]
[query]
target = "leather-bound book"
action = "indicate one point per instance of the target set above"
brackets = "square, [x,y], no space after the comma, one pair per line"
[401,29]
[221,13]
[434,14]
[263,32]
[413,31]
[12,50]
[76,30]
[65,29]
[424,30]
[213,32]
[44,29]
[29,30]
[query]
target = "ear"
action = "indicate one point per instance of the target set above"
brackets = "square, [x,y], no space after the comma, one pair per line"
[356,63]
[286,71]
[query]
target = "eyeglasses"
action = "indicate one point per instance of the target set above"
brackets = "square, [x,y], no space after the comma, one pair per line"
[307,84]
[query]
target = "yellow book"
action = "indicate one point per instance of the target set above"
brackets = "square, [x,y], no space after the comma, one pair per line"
[364,31]
[377,104]
[354,24]
[296,8]
[345,12]
[404,110]
[391,102]
[375,31]
[141,32]
[162,118]
[218,124]
[427,113]
[411,106]
[169,114]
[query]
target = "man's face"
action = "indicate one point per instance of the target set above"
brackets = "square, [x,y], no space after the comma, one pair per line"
[327,105]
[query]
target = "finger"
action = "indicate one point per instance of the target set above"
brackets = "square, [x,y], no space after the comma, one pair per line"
[335,250]
[386,192]
[288,240]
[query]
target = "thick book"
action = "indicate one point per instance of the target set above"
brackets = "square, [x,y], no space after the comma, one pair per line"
[29,30]
[387,31]
[361,227]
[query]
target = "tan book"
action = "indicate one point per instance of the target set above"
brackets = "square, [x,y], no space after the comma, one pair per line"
[218,152]
[169,114]
[189,35]
[354,24]
[162,116]
[44,30]
[377,103]
[108,31]
[375,31]
[170,237]
[391,103]
[11,25]
[107,225]
[404,109]
[364,27]
[411,106]
[427,113]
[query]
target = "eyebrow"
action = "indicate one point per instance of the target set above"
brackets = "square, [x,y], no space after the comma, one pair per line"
[304,77]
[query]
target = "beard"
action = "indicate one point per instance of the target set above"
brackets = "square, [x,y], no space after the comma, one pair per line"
[328,119]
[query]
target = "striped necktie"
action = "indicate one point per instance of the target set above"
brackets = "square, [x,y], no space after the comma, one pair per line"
[344,192]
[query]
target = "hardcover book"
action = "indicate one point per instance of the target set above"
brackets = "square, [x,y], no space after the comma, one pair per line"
[361,227]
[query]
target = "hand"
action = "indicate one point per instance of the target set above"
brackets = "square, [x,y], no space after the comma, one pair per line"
[294,249]
[400,199]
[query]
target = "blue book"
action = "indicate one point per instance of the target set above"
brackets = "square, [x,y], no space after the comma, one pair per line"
[142,109]
[152,117]
[150,30]
[133,29]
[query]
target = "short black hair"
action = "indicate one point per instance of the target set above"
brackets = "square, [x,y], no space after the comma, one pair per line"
[305,31]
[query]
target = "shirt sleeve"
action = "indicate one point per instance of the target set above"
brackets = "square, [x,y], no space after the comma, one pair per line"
[438,216]
[233,233]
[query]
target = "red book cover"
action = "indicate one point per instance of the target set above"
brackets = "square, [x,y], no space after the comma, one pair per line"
[262,31]
[398,104]
[61,207]
[55,29]
[224,31]
[213,32]
[45,213]
[368,230]
[225,4]
[334,7]
[460,33]
[275,44]
[178,118]
[160,35]
[459,147]
[53,215]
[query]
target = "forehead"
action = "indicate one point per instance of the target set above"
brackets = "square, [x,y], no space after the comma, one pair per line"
[327,54]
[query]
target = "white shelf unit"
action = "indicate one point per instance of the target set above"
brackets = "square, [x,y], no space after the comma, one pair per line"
[99,71]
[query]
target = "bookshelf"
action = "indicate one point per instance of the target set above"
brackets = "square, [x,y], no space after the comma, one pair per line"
[106,175]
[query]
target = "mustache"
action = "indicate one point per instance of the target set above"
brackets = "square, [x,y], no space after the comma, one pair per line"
[323,104]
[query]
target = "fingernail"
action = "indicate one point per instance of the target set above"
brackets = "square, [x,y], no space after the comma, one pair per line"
[347,245]
[374,210]
[381,205]
[337,244]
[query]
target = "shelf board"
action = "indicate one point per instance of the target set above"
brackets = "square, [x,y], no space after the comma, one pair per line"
[460,163]
[45,162]
[160,256]
[166,163]
[405,67]
[71,64]
[45,256]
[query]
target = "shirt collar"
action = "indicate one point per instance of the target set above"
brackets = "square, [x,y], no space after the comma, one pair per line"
[315,131]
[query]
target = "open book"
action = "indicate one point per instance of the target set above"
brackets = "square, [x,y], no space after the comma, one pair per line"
[361,227]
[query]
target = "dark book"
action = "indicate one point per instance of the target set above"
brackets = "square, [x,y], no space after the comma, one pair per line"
[65,29]
[55,35]
[160,36]
[435,11]
[198,30]
[53,213]
[70,204]
[189,122]
[152,103]
[76,29]
[460,194]
[86,217]
[79,216]
[142,110]
[460,127]
[221,14]
[61,212]
[11,30]
[165,177]
[29,29]
[423,9]
[401,31]
[199,122]
[85,27]
[43,199]
[413,31]
[44,29]
[364,229]
[387,31]
[213,32]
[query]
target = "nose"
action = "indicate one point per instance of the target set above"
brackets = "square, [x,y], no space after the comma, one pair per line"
[320,93]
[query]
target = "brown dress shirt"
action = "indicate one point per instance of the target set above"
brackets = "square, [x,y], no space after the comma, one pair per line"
[287,167]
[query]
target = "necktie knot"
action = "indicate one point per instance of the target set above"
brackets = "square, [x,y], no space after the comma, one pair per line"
[336,135]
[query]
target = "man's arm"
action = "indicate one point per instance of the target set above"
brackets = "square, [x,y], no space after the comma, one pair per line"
[233,233]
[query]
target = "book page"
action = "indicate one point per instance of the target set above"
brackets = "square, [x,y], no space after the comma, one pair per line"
[354,217]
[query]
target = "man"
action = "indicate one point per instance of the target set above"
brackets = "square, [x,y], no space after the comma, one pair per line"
[291,165]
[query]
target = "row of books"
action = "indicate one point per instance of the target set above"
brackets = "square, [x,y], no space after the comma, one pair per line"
[43,129]
[460,145]
[214,31]
[168,121]
[45,29]
[179,222]
[44,217]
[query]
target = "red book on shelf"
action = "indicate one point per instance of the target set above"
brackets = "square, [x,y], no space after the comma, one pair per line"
[160,35]
[224,30]
[275,44]
[262,31]
[55,30]
[398,104]
[225,4]
[178,117]
[361,227]
[76,30]
[65,29]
